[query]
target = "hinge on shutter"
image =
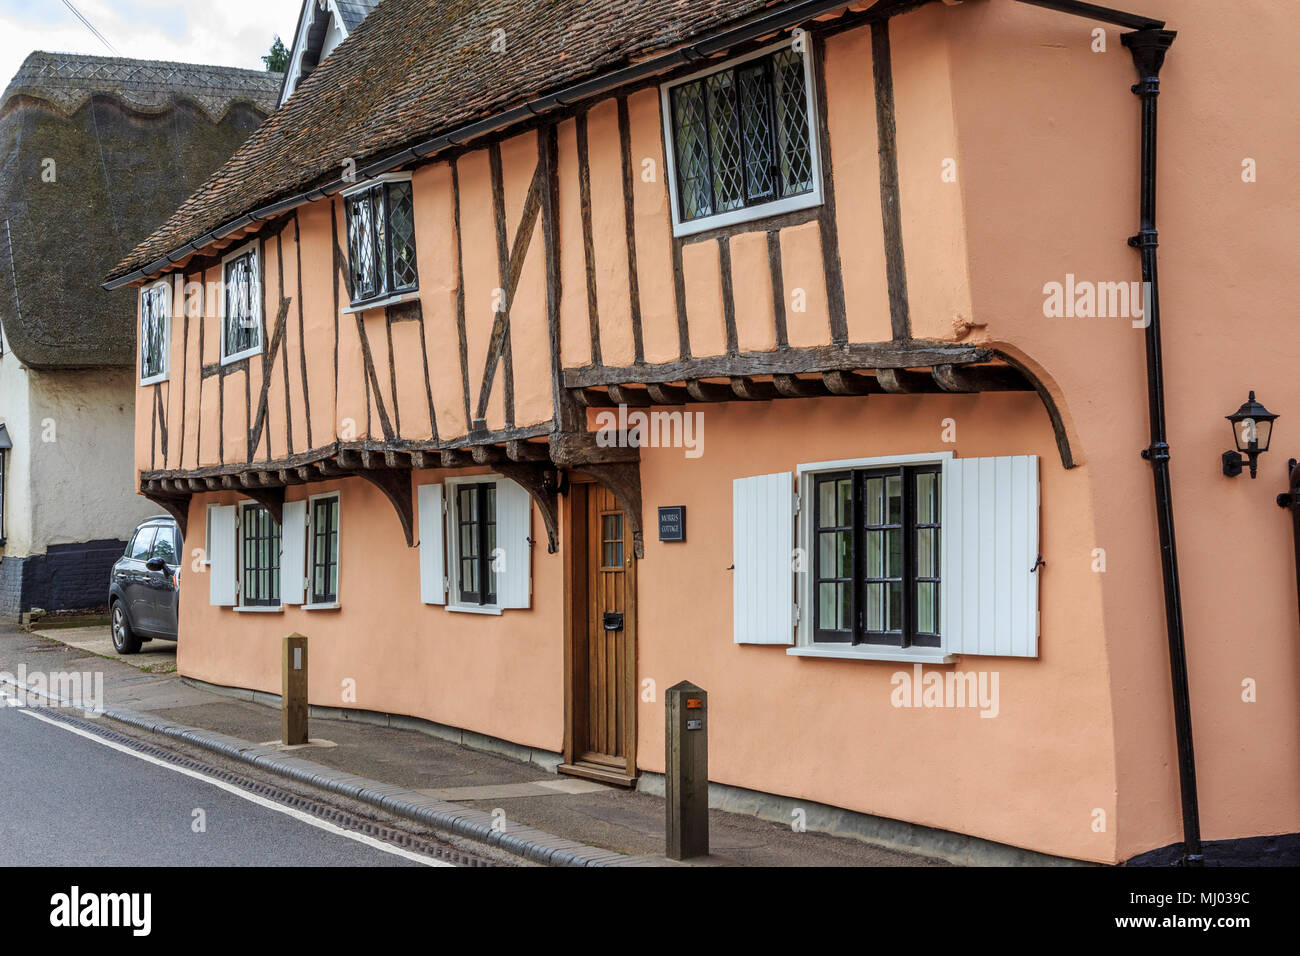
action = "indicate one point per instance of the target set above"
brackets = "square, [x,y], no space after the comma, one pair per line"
[796,502]
[444,504]
[796,615]
[446,585]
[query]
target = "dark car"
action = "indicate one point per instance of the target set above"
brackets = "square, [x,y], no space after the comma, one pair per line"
[144,586]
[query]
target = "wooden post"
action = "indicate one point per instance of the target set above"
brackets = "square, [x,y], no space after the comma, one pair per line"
[686,782]
[293,697]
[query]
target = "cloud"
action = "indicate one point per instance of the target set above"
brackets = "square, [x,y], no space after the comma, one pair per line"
[226,33]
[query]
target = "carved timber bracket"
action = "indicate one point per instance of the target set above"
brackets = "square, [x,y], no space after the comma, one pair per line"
[532,478]
[396,486]
[178,506]
[617,467]
[272,499]
[624,480]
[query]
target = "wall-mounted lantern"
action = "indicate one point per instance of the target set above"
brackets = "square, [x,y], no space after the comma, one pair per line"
[1252,429]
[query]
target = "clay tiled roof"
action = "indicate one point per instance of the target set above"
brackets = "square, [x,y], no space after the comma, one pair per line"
[417,68]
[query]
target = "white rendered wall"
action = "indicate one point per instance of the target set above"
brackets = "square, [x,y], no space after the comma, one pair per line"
[71,469]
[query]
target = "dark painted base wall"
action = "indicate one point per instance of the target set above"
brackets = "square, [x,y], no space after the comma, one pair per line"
[1280,850]
[68,577]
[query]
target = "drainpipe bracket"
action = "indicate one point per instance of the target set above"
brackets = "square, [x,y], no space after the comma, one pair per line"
[1145,239]
[1159,451]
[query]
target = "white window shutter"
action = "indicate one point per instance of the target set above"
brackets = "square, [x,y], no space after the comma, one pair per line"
[762,549]
[293,552]
[990,550]
[433,571]
[514,514]
[221,556]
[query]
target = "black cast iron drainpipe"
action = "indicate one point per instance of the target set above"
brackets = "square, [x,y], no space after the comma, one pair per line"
[1148,44]
[1288,499]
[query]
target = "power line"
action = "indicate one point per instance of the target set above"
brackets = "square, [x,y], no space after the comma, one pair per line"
[91,27]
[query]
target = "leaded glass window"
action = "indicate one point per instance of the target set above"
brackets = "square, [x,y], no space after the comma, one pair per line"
[155,326]
[381,241]
[741,136]
[242,304]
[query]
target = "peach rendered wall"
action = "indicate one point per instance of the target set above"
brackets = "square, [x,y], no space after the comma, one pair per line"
[1047,136]
[826,730]
[499,675]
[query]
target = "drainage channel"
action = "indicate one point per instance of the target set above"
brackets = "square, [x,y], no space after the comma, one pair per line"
[338,817]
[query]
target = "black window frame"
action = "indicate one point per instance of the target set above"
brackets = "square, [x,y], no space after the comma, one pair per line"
[382,242]
[908,525]
[776,140]
[481,522]
[324,543]
[259,585]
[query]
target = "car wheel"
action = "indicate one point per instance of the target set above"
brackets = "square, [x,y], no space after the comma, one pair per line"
[125,640]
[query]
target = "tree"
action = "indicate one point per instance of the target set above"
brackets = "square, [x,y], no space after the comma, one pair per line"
[277,61]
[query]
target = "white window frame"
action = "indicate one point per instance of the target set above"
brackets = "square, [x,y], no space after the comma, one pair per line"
[311,554]
[240,597]
[451,535]
[804,645]
[765,210]
[255,246]
[166,286]
[393,298]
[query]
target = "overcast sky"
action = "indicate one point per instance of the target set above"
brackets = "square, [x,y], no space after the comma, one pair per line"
[224,32]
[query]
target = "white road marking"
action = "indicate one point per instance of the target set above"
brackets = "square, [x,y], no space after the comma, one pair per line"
[250,797]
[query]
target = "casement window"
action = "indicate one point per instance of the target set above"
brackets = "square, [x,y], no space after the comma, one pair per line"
[259,557]
[381,241]
[323,563]
[475,544]
[875,556]
[309,552]
[155,331]
[742,138]
[241,304]
[918,557]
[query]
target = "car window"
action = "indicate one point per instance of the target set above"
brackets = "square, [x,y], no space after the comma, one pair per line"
[164,545]
[142,543]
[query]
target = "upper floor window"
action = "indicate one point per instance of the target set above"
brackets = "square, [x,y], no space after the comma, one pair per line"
[155,331]
[241,304]
[743,142]
[381,240]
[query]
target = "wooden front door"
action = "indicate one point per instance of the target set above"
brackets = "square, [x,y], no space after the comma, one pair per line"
[601,737]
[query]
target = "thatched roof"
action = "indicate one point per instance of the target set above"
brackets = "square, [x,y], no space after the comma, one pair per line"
[94,152]
[415,69]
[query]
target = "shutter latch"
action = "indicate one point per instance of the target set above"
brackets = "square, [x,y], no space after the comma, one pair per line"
[1040,563]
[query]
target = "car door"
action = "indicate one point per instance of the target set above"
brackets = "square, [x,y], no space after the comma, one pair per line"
[162,589]
[135,586]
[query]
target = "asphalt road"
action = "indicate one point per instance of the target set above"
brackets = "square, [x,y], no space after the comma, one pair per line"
[67,799]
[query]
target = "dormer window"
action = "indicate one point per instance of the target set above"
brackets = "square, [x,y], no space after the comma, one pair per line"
[381,241]
[742,140]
